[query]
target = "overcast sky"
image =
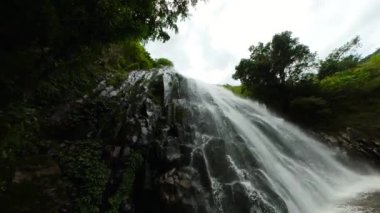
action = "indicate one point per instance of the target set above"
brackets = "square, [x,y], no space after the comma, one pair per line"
[211,42]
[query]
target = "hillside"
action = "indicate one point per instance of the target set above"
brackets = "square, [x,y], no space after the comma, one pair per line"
[354,97]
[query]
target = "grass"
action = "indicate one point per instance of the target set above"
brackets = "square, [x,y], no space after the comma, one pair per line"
[354,96]
[237,90]
[364,78]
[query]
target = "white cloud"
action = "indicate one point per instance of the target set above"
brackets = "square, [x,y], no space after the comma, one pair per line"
[218,34]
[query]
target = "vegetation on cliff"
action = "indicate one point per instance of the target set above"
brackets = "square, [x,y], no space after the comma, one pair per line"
[339,91]
[53,55]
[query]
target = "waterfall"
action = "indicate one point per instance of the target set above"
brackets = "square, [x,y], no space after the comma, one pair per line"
[299,169]
[254,160]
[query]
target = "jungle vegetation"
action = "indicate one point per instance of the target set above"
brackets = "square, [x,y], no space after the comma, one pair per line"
[332,93]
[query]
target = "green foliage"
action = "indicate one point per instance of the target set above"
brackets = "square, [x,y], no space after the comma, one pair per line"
[22,116]
[117,79]
[376,52]
[274,69]
[82,164]
[44,22]
[237,90]
[313,108]
[52,53]
[73,78]
[278,62]
[364,78]
[127,180]
[19,128]
[341,59]
[22,150]
[127,56]
[344,93]
[163,62]
[351,98]
[46,37]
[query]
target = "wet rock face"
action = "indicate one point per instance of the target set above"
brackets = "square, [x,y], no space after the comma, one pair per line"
[188,167]
[159,148]
[177,191]
[170,182]
[97,145]
[356,144]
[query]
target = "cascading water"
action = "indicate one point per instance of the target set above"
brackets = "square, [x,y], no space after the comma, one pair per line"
[244,159]
[260,146]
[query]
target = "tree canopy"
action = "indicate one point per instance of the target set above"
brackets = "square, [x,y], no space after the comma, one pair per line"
[284,75]
[340,59]
[278,62]
[43,22]
[39,37]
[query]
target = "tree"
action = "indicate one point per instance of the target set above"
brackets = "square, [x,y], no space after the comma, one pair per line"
[274,69]
[278,62]
[81,21]
[37,37]
[340,59]
[163,62]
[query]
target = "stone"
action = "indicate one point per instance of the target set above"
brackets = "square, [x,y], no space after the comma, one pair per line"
[170,180]
[116,151]
[185,183]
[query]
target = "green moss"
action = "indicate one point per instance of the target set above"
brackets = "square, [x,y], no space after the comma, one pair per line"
[88,174]
[126,185]
[117,79]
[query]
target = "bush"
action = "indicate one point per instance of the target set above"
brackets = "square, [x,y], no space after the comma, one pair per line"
[310,109]
[83,166]
[39,38]
[238,90]
[163,62]
[364,78]
[340,59]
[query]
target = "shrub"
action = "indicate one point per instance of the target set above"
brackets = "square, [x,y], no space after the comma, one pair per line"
[310,109]
[364,78]
[163,62]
